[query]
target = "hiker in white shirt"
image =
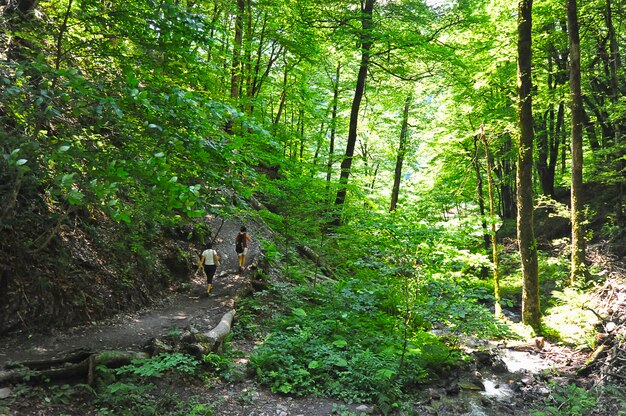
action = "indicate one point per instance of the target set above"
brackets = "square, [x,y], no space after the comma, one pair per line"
[210,260]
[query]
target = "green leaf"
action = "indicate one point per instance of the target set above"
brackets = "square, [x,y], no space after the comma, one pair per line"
[299,312]
[315,364]
[340,343]
[20,162]
[75,197]
[340,362]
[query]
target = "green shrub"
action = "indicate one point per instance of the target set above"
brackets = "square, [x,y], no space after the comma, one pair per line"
[346,348]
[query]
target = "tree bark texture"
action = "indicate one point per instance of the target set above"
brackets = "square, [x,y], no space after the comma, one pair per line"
[531,313]
[578,232]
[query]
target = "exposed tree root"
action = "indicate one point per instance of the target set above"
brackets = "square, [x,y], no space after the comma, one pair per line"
[83,363]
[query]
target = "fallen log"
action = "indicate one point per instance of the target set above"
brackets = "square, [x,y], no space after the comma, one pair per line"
[216,336]
[71,357]
[70,369]
[194,342]
[310,254]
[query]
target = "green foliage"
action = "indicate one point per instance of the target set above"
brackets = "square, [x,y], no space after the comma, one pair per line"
[571,320]
[461,308]
[132,389]
[127,399]
[157,365]
[65,393]
[569,400]
[344,347]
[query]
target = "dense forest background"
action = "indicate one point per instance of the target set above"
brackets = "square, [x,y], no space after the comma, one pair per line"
[454,164]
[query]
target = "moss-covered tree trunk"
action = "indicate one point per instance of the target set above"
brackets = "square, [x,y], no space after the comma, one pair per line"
[578,233]
[531,313]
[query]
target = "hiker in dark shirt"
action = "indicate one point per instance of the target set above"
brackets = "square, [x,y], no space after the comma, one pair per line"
[241,246]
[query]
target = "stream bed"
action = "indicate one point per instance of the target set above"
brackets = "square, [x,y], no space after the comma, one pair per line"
[494,388]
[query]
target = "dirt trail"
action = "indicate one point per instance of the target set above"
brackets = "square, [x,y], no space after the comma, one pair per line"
[130,331]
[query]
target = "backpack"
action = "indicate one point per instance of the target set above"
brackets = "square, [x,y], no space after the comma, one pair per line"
[239,243]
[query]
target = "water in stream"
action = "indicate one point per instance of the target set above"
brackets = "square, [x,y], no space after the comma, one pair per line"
[498,387]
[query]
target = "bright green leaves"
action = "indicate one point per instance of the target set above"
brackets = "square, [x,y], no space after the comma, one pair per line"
[14,159]
[331,345]
[340,343]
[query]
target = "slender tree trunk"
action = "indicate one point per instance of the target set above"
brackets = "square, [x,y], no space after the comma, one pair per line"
[542,139]
[59,42]
[235,77]
[333,125]
[301,134]
[492,213]
[578,233]
[216,15]
[531,313]
[481,193]
[395,191]
[283,96]
[615,65]
[248,56]
[505,171]
[366,44]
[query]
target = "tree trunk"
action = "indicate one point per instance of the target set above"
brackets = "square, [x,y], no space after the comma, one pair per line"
[248,56]
[492,213]
[301,135]
[615,65]
[505,171]
[395,191]
[333,125]
[235,76]
[543,139]
[531,313]
[578,269]
[481,193]
[366,44]
[283,96]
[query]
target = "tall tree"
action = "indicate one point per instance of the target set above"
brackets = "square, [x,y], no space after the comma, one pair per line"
[397,176]
[492,214]
[531,313]
[235,76]
[365,41]
[614,69]
[333,124]
[578,232]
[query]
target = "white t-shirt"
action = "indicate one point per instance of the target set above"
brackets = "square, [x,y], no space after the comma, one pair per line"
[208,256]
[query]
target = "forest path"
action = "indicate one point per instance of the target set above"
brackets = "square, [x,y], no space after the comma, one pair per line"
[130,331]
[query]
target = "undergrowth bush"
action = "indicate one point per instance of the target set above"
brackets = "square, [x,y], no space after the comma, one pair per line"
[132,389]
[335,341]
